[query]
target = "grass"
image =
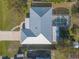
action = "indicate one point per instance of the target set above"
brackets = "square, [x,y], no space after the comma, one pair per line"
[56,1]
[59,55]
[74,20]
[11,14]
[9,48]
[63,53]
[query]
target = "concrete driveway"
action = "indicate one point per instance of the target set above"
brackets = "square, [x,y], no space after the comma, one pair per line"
[9,35]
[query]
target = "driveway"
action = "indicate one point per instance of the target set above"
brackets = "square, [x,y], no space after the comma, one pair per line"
[9,35]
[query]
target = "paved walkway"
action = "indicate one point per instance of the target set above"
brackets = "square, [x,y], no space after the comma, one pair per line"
[9,35]
[18,26]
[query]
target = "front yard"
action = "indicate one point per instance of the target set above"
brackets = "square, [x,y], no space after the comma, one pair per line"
[9,48]
[11,13]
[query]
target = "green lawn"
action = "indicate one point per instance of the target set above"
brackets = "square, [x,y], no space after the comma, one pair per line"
[57,1]
[63,53]
[9,48]
[11,14]
[74,20]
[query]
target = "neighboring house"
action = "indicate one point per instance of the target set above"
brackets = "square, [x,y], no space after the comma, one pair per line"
[37,30]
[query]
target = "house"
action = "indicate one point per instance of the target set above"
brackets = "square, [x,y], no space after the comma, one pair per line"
[41,29]
[42,23]
[37,30]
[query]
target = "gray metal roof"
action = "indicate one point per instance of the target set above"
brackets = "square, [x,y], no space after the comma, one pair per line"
[40,10]
[28,32]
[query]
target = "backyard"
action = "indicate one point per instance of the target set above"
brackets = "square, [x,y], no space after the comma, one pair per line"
[66,53]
